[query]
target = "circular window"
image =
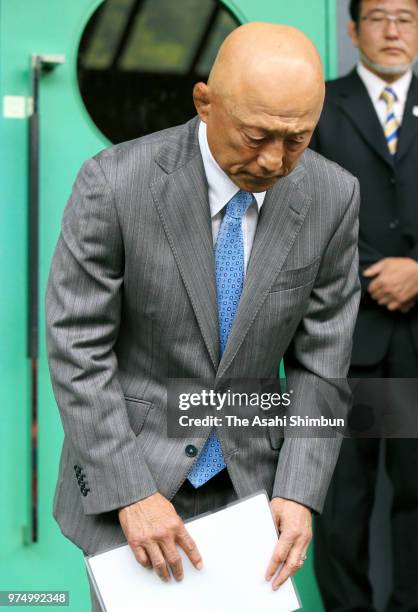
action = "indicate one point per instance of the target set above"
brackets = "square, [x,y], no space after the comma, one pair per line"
[139,59]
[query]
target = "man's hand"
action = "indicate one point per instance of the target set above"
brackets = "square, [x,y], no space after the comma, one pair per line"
[152,528]
[294,522]
[396,282]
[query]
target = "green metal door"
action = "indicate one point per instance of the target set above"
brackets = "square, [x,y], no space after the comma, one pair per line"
[67,137]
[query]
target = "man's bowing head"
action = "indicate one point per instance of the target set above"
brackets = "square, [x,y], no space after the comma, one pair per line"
[261,103]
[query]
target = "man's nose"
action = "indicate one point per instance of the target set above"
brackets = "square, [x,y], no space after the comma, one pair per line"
[391,29]
[270,158]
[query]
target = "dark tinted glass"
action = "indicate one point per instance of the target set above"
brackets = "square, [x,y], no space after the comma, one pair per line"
[138,61]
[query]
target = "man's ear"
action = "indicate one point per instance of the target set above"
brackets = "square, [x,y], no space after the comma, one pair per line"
[352,31]
[201,99]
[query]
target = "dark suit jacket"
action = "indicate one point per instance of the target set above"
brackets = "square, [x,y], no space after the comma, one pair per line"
[349,133]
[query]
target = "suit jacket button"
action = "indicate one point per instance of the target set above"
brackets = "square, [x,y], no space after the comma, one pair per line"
[190,450]
[394,224]
[393,180]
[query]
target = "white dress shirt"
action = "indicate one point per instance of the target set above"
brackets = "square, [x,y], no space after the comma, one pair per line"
[375,85]
[221,190]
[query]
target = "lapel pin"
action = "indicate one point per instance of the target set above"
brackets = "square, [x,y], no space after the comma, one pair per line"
[415,111]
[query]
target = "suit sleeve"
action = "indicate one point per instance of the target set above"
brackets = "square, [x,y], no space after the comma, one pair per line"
[368,255]
[83,305]
[317,362]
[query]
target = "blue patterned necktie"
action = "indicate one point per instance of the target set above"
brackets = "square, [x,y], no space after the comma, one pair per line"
[391,127]
[229,266]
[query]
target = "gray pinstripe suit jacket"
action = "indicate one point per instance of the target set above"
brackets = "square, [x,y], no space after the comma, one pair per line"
[131,300]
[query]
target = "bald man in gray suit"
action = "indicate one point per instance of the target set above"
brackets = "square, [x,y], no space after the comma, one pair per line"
[132,302]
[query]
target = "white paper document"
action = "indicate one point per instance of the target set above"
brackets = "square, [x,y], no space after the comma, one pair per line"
[236,544]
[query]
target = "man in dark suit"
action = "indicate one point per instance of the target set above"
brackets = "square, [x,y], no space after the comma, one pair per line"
[370,127]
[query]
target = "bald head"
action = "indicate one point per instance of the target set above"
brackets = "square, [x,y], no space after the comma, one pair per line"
[260,56]
[261,103]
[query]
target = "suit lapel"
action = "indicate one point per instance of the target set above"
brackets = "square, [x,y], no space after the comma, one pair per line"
[409,128]
[181,199]
[356,104]
[281,217]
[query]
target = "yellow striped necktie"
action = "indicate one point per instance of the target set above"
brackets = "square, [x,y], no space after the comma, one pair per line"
[391,127]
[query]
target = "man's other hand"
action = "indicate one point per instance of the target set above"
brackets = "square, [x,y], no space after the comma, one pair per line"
[395,284]
[153,528]
[294,522]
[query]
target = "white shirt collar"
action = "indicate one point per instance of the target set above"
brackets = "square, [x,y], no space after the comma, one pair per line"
[221,188]
[375,85]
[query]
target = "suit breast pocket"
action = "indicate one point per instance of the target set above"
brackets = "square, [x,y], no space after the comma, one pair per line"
[137,410]
[296,277]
